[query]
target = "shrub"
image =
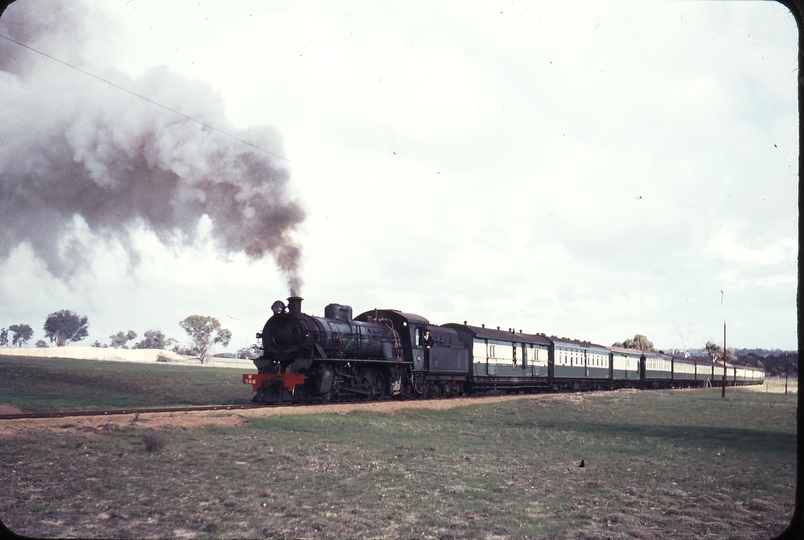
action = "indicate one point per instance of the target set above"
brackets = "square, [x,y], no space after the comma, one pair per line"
[153,442]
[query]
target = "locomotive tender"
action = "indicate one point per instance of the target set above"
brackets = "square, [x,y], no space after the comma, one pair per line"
[383,353]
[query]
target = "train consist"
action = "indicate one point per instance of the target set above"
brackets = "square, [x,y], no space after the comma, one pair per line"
[387,353]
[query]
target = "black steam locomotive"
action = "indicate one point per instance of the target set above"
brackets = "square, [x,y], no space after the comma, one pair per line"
[387,353]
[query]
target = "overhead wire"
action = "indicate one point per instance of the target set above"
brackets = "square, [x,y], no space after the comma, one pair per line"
[174,111]
[213,128]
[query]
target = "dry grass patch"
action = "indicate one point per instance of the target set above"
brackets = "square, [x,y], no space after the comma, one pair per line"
[498,470]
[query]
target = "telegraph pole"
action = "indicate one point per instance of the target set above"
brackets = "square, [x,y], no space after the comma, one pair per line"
[723,394]
[724,360]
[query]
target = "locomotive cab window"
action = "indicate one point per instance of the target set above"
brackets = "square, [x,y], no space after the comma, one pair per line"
[417,337]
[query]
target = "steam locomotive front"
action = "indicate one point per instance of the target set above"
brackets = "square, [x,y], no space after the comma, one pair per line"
[287,335]
[304,353]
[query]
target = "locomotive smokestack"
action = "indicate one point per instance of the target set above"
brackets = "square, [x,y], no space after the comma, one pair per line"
[294,304]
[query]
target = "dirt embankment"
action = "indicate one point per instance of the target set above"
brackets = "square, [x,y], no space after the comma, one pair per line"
[6,408]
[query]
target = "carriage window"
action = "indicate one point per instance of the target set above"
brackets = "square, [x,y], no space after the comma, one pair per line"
[491,350]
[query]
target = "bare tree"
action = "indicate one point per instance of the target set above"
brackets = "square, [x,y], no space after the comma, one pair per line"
[685,338]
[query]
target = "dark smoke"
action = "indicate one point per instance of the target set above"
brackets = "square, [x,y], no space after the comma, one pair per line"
[78,153]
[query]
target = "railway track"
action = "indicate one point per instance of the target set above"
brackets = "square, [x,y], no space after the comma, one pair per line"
[117,412]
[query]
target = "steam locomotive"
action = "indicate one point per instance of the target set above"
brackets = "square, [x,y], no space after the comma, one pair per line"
[387,353]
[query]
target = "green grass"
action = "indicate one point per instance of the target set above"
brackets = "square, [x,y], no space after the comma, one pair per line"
[658,464]
[45,384]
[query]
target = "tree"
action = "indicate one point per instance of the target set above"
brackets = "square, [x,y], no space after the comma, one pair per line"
[3,337]
[249,353]
[639,342]
[22,333]
[714,351]
[65,326]
[685,337]
[41,344]
[205,332]
[154,339]
[120,339]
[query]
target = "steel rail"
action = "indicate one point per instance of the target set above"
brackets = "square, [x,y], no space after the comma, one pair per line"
[117,412]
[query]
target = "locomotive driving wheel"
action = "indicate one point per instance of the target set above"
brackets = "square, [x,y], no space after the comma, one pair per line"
[378,385]
[365,381]
[372,384]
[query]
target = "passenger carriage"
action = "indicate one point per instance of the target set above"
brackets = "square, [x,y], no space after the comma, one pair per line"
[504,359]
[684,372]
[625,366]
[579,364]
[656,369]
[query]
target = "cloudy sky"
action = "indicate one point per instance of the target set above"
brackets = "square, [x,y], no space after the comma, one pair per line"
[591,170]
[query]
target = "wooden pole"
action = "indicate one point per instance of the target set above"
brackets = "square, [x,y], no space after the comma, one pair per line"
[724,360]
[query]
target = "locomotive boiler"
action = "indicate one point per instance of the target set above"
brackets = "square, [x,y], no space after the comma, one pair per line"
[291,335]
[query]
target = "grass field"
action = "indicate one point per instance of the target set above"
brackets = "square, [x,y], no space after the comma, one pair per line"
[53,384]
[657,464]
[776,386]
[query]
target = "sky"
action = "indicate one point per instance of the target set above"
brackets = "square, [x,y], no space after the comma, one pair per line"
[591,170]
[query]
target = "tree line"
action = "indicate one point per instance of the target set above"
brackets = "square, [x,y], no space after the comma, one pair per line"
[65,326]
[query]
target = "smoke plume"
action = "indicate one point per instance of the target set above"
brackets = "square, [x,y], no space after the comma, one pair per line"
[77,153]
